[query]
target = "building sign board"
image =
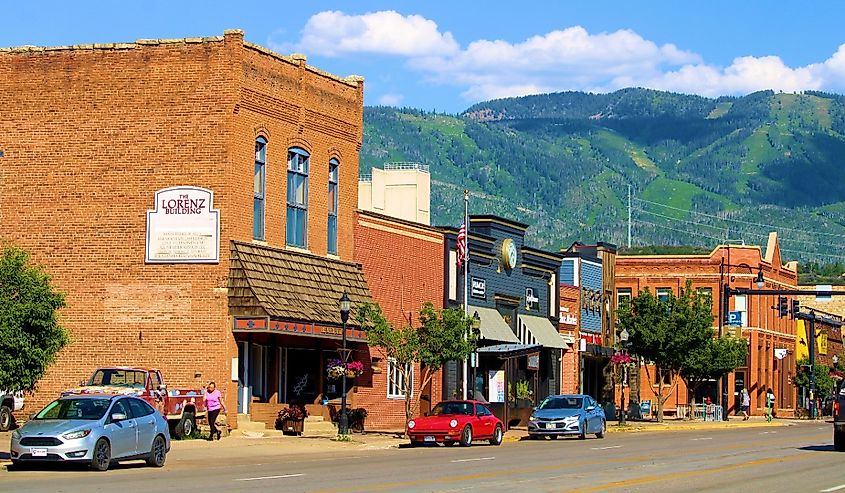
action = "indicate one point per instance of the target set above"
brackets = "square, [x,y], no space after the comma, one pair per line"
[735,318]
[530,299]
[478,288]
[183,227]
[533,361]
[566,317]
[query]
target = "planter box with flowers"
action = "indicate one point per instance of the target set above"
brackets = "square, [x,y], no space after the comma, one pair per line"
[337,369]
[291,419]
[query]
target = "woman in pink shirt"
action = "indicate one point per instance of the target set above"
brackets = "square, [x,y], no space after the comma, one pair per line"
[213,403]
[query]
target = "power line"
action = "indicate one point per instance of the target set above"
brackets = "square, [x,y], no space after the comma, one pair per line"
[769,226]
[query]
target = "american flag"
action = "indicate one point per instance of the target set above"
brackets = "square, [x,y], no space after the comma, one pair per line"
[462,245]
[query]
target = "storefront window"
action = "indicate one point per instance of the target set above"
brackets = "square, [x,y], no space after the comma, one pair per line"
[396,379]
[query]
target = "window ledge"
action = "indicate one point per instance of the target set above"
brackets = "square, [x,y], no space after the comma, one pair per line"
[333,255]
[297,249]
[260,242]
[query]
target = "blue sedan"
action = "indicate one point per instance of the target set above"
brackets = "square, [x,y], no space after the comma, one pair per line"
[93,429]
[558,415]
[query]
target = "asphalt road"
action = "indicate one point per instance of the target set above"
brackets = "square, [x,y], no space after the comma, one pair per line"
[793,458]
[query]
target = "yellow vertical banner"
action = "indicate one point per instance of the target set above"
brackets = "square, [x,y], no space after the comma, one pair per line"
[802,348]
[821,341]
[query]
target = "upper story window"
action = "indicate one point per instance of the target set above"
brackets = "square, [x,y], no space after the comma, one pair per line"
[663,294]
[297,211]
[623,297]
[334,166]
[706,295]
[258,188]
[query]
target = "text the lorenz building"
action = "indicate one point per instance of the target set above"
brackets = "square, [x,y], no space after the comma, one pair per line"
[513,289]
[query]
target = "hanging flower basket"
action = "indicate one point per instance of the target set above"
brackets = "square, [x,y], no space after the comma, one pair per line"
[621,358]
[336,369]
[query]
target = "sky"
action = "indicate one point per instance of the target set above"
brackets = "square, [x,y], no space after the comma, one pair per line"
[445,56]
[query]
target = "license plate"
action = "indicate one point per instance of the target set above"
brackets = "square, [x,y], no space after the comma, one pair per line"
[428,439]
[38,452]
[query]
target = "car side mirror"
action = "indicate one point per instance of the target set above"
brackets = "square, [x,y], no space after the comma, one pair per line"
[82,383]
[118,417]
[162,388]
[591,408]
[32,416]
[425,414]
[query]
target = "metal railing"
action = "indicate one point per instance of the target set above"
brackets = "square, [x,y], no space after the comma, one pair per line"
[403,165]
[707,412]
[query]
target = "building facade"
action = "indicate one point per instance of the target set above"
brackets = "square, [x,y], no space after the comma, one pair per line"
[514,291]
[403,263]
[771,339]
[401,190]
[196,202]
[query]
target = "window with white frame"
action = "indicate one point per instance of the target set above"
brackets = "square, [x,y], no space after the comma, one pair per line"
[396,379]
[334,164]
[297,211]
[623,297]
[663,294]
[258,188]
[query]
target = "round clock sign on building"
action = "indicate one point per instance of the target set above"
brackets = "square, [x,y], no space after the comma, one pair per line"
[508,253]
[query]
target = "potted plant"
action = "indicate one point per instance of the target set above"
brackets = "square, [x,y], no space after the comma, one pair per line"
[291,419]
[354,369]
[356,418]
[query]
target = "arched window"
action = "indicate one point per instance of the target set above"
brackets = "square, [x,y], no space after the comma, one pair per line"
[258,188]
[334,166]
[297,212]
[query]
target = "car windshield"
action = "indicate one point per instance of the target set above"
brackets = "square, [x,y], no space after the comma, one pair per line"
[562,403]
[89,409]
[119,378]
[464,408]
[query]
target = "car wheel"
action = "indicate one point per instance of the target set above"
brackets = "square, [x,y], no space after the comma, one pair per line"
[414,443]
[839,441]
[553,437]
[583,434]
[102,455]
[158,452]
[600,434]
[497,436]
[5,418]
[466,436]
[533,437]
[449,443]
[186,425]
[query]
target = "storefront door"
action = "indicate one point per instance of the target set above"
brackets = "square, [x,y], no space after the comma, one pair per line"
[243,385]
[303,373]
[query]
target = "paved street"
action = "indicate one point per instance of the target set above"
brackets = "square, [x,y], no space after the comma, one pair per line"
[787,458]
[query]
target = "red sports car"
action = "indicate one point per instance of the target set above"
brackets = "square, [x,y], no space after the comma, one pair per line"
[453,422]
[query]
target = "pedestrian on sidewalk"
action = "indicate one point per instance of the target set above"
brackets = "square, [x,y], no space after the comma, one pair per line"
[746,404]
[213,404]
[770,404]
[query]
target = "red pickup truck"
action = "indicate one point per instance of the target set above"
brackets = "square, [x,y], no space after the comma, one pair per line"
[181,407]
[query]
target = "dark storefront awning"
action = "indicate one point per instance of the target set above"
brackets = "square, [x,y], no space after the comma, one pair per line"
[493,326]
[292,287]
[543,332]
[504,351]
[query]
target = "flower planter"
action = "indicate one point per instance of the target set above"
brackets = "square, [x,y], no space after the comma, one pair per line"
[293,426]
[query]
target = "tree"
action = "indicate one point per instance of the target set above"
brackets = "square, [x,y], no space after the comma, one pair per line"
[712,360]
[824,381]
[442,336]
[666,332]
[30,334]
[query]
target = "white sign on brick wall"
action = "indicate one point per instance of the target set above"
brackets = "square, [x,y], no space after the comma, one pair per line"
[183,227]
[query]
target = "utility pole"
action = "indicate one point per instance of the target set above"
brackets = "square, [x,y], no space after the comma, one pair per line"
[629,216]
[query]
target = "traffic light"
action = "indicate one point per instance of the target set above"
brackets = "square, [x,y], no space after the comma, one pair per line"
[796,309]
[783,306]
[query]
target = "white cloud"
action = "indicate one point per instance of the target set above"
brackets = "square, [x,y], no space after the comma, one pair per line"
[390,99]
[333,33]
[560,60]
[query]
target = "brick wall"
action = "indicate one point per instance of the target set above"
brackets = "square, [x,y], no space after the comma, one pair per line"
[90,133]
[403,264]
[570,368]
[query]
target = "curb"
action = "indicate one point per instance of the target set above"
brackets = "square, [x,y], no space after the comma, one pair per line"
[694,426]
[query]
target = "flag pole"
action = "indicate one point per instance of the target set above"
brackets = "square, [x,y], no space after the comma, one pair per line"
[466,282]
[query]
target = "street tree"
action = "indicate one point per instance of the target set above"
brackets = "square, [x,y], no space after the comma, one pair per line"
[824,381]
[713,359]
[665,332]
[442,336]
[30,333]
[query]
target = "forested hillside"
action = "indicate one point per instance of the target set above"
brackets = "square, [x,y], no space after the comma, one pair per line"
[700,170]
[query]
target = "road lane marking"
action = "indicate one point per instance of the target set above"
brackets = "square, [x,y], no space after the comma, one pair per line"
[606,448]
[701,438]
[768,432]
[473,460]
[834,488]
[270,477]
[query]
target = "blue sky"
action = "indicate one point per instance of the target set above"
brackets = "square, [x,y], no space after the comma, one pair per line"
[445,56]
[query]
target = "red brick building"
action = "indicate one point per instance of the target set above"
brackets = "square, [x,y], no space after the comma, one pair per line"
[264,144]
[771,339]
[570,309]
[403,263]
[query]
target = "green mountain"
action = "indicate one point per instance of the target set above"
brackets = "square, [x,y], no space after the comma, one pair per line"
[700,170]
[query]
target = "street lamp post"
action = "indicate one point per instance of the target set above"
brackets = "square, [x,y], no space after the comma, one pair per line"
[476,326]
[345,305]
[623,338]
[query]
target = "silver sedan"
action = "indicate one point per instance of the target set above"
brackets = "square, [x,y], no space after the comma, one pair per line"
[96,429]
